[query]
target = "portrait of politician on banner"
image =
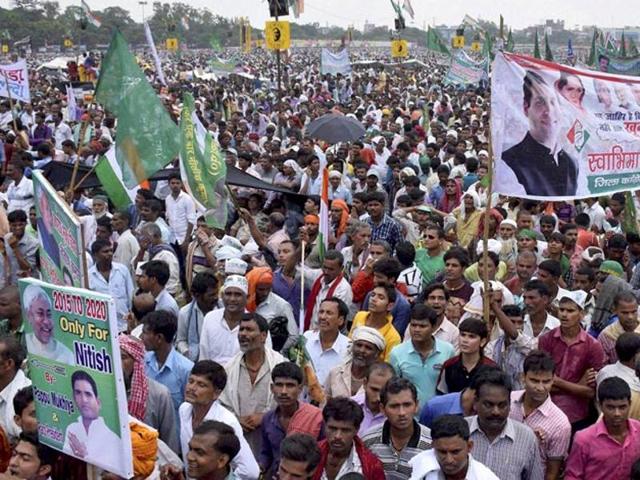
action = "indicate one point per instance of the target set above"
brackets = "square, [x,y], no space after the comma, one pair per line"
[563,133]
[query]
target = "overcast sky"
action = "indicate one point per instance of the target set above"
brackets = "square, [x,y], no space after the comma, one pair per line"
[517,13]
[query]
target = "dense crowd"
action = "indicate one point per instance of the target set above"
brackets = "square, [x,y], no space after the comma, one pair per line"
[252,352]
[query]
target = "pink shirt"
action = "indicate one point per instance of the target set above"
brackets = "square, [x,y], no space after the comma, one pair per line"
[597,456]
[548,418]
[571,363]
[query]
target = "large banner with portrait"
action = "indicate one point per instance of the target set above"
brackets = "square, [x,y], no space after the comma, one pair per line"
[62,258]
[74,364]
[563,133]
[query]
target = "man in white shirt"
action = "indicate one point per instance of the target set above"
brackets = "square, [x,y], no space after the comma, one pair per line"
[219,337]
[61,131]
[180,211]
[328,347]
[206,383]
[89,437]
[13,378]
[450,456]
[127,246]
[153,247]
[154,277]
[20,191]
[595,211]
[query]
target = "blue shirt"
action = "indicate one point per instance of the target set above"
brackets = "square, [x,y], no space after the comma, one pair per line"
[388,229]
[449,404]
[408,363]
[173,374]
[119,286]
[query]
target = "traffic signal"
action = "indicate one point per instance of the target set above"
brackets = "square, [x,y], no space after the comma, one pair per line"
[278,8]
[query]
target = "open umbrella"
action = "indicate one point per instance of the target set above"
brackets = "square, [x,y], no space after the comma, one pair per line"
[334,128]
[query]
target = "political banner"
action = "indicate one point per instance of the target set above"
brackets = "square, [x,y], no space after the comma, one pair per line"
[607,62]
[14,81]
[562,133]
[465,71]
[74,364]
[335,63]
[60,234]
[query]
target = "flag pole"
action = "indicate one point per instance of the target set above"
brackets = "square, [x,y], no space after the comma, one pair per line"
[301,317]
[485,236]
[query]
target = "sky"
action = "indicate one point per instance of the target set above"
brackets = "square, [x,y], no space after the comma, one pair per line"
[517,13]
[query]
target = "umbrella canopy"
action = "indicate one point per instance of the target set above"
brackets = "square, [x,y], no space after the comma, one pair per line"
[334,128]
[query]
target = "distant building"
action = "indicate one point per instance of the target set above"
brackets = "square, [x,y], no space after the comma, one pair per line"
[368,27]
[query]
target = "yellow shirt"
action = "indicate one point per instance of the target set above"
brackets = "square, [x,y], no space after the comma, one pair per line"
[466,229]
[390,334]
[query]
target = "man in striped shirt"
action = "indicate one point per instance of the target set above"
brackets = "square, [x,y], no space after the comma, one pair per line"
[533,407]
[400,437]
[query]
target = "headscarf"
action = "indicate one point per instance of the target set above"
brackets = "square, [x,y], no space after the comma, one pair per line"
[344,216]
[139,383]
[371,335]
[144,447]
[447,205]
[294,165]
[312,218]
[256,277]
[368,155]
[476,202]
[527,233]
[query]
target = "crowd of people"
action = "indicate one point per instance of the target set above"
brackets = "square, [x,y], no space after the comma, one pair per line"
[255,352]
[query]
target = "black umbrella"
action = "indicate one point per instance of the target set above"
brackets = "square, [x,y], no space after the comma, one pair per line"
[335,128]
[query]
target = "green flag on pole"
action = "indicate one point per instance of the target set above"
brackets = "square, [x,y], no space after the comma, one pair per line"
[487,47]
[591,61]
[629,220]
[147,138]
[623,47]
[214,41]
[202,168]
[510,46]
[435,43]
[536,47]
[633,50]
[548,54]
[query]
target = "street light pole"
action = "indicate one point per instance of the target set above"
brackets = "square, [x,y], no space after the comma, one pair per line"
[142,3]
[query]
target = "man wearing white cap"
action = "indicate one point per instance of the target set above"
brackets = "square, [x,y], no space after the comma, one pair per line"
[219,337]
[337,191]
[346,379]
[578,357]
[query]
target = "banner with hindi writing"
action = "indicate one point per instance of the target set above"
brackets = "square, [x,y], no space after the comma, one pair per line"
[334,63]
[466,71]
[562,133]
[75,366]
[14,81]
[62,259]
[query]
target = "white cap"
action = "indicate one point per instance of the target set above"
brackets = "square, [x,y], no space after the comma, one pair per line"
[236,281]
[235,266]
[579,297]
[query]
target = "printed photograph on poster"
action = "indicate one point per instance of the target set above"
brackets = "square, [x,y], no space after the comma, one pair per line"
[563,133]
[75,366]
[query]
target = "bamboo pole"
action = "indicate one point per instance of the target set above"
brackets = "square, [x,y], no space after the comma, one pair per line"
[485,237]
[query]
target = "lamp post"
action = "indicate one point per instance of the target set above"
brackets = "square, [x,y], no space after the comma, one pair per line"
[142,3]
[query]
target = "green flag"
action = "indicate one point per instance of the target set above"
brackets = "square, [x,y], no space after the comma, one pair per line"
[201,165]
[591,61]
[110,175]
[435,43]
[510,46]
[629,221]
[548,54]
[214,41]
[147,138]
[633,50]
[536,47]
[487,47]
[623,47]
